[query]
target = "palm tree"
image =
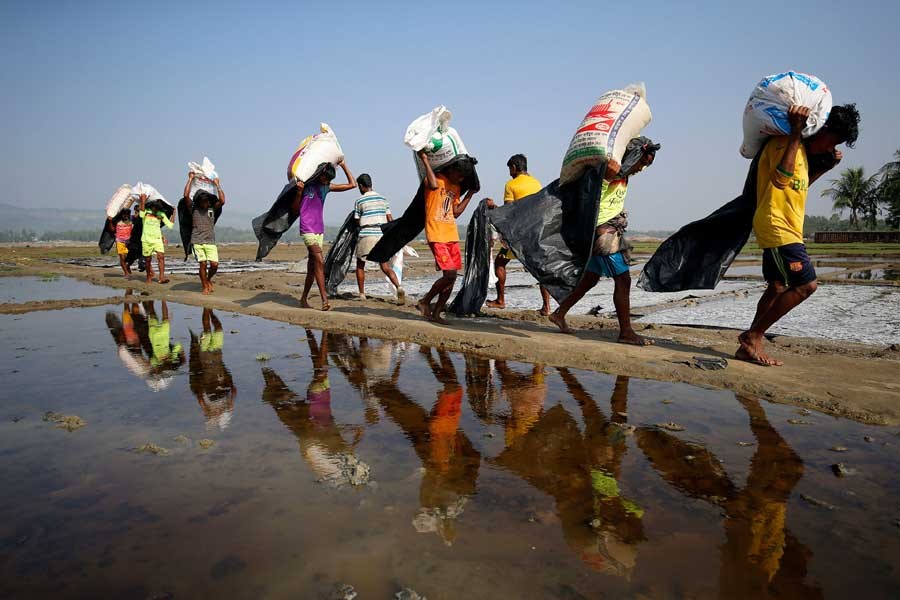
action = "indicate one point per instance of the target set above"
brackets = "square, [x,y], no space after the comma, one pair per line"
[856,192]
[889,189]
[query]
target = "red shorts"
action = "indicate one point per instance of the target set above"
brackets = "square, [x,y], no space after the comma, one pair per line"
[446,255]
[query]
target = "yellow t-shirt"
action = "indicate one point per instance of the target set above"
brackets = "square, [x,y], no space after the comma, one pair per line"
[779,212]
[612,199]
[440,224]
[522,185]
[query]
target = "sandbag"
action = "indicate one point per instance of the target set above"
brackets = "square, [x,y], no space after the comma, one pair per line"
[616,117]
[204,169]
[766,112]
[432,132]
[314,150]
[186,221]
[141,188]
[474,290]
[341,255]
[398,233]
[697,255]
[118,200]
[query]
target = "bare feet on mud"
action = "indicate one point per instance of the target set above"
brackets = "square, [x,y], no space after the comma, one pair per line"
[304,303]
[206,291]
[544,312]
[496,304]
[425,309]
[166,280]
[325,306]
[630,337]
[560,321]
[436,318]
[751,350]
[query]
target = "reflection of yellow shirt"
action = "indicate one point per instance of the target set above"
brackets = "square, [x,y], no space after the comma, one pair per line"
[523,185]
[779,212]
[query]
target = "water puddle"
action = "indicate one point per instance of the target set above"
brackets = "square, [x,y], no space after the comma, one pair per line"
[229,456]
[50,287]
[854,313]
[891,273]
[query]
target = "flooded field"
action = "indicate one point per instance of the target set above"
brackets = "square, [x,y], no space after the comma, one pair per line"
[164,451]
[854,313]
[49,287]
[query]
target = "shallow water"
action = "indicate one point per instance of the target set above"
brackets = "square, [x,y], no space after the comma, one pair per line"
[51,287]
[887,274]
[855,313]
[175,264]
[488,479]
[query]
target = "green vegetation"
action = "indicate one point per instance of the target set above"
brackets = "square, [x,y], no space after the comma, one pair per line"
[868,197]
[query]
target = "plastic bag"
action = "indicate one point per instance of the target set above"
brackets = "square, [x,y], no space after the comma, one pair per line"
[107,238]
[616,117]
[766,112]
[396,265]
[697,255]
[119,200]
[146,189]
[474,290]
[432,132]
[314,150]
[206,169]
[341,255]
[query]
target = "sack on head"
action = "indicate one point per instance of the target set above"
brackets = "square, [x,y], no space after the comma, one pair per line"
[766,112]
[616,117]
[313,151]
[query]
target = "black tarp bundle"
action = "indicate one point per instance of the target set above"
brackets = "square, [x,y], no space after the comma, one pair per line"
[108,240]
[474,290]
[697,255]
[340,255]
[186,219]
[551,231]
[270,226]
[107,237]
[399,232]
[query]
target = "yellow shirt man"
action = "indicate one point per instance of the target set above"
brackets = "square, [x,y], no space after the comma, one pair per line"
[778,220]
[519,187]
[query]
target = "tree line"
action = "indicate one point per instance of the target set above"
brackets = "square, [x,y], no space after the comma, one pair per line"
[867,197]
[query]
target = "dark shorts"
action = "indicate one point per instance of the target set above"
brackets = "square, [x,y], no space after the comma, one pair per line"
[788,264]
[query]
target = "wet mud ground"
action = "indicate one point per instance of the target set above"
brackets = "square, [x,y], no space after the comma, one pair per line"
[225,455]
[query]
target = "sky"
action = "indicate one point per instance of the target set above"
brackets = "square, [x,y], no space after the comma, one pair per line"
[96,94]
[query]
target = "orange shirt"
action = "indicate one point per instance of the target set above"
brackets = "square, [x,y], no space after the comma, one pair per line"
[440,224]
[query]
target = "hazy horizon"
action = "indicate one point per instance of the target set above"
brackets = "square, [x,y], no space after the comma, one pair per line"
[100,94]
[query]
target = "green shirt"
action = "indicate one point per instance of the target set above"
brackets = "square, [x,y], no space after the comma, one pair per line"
[612,199]
[152,225]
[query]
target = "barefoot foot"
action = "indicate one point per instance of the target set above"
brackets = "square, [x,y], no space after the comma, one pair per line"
[496,304]
[751,350]
[424,308]
[634,339]
[560,321]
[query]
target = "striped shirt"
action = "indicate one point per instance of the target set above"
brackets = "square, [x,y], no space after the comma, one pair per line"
[372,210]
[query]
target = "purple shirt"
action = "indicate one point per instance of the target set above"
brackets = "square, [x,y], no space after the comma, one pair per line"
[312,204]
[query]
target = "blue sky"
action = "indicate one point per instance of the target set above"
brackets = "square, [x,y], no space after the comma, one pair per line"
[101,93]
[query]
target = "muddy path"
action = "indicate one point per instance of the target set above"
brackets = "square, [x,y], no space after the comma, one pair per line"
[850,380]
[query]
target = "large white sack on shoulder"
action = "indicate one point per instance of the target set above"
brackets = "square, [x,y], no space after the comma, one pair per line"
[150,191]
[118,200]
[766,112]
[616,117]
[206,168]
[444,147]
[423,129]
[313,151]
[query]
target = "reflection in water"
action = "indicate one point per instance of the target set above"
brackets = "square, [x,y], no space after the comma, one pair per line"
[581,471]
[364,364]
[321,439]
[760,558]
[450,460]
[144,342]
[210,380]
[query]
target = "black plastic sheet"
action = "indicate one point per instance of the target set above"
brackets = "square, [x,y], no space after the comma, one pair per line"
[551,231]
[476,279]
[269,227]
[341,254]
[186,219]
[135,248]
[107,238]
[697,255]
[398,233]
